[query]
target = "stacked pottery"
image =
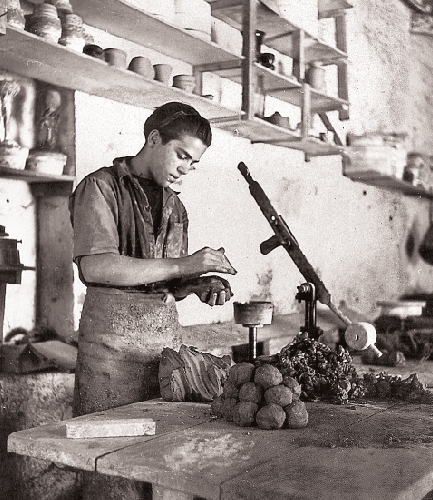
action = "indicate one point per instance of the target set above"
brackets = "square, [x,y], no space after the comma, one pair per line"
[15,13]
[45,23]
[72,32]
[62,6]
[163,72]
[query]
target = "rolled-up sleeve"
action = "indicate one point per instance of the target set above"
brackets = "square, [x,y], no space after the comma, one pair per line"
[94,217]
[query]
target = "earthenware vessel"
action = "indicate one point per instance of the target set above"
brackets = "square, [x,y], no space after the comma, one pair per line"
[72,32]
[143,66]
[163,72]
[45,23]
[115,57]
[184,82]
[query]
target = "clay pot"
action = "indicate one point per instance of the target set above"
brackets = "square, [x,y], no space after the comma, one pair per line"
[15,14]
[46,162]
[316,78]
[45,23]
[72,32]
[115,57]
[163,72]
[142,66]
[184,82]
[93,50]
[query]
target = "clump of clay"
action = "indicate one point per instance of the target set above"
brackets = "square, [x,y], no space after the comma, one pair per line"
[270,416]
[279,394]
[216,406]
[297,415]
[230,390]
[251,392]
[267,376]
[293,385]
[244,413]
[241,373]
[228,407]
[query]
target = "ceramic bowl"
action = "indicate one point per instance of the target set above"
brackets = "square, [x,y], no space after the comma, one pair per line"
[143,66]
[184,82]
[115,57]
[163,72]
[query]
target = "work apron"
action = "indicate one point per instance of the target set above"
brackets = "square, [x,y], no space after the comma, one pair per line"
[121,337]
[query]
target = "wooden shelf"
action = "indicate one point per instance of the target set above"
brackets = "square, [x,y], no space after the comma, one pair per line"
[278,31]
[258,130]
[33,177]
[124,20]
[394,184]
[28,55]
[332,8]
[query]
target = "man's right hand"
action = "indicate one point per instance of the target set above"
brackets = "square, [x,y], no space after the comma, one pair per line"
[209,260]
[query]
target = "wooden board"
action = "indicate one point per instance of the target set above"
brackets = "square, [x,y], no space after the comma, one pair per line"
[364,451]
[99,427]
[49,442]
[200,459]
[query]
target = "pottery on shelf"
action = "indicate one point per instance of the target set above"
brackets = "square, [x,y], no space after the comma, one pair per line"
[15,14]
[12,155]
[62,6]
[115,57]
[45,23]
[162,72]
[72,32]
[46,162]
[93,50]
[143,66]
[184,82]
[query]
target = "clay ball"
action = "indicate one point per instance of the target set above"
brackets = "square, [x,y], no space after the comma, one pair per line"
[297,415]
[228,407]
[270,416]
[241,373]
[230,390]
[244,413]
[292,384]
[251,392]
[216,406]
[279,394]
[267,376]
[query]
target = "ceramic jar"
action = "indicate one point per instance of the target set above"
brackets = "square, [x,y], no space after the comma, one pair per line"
[16,17]
[184,82]
[72,32]
[45,23]
[163,72]
[143,66]
[316,77]
[115,57]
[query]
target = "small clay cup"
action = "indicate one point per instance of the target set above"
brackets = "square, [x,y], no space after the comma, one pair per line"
[142,66]
[115,57]
[184,82]
[163,72]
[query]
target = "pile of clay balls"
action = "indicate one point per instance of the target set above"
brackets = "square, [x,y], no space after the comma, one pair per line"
[261,396]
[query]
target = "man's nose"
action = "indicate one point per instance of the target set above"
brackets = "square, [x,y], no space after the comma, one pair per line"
[185,167]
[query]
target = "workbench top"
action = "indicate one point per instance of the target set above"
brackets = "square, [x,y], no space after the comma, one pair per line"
[362,451]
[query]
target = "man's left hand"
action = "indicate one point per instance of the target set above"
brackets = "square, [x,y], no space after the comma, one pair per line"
[212,290]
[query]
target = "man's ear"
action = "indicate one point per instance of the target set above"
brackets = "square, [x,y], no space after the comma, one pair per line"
[154,138]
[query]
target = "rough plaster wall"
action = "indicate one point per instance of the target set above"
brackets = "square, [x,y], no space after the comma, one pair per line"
[354,235]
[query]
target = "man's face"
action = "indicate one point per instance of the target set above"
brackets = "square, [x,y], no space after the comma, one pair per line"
[176,158]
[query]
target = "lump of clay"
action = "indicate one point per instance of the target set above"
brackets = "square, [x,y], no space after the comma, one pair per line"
[228,407]
[297,415]
[230,390]
[251,392]
[244,413]
[241,373]
[279,394]
[267,376]
[292,384]
[270,416]
[216,406]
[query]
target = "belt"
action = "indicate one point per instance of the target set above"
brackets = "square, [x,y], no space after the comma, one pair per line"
[152,288]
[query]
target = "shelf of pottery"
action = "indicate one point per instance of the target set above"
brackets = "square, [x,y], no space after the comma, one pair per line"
[49,43]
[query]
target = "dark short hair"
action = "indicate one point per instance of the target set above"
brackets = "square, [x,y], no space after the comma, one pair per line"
[173,120]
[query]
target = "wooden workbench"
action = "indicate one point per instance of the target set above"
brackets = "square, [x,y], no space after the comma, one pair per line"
[369,451]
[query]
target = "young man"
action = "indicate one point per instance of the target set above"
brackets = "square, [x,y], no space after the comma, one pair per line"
[130,246]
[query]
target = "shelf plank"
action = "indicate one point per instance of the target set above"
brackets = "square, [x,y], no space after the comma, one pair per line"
[394,184]
[33,177]
[124,20]
[331,8]
[261,131]
[278,31]
[28,55]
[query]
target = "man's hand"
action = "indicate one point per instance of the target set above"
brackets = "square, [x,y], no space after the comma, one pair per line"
[208,260]
[211,290]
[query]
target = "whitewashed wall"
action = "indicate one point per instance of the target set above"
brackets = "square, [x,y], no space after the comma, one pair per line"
[353,234]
